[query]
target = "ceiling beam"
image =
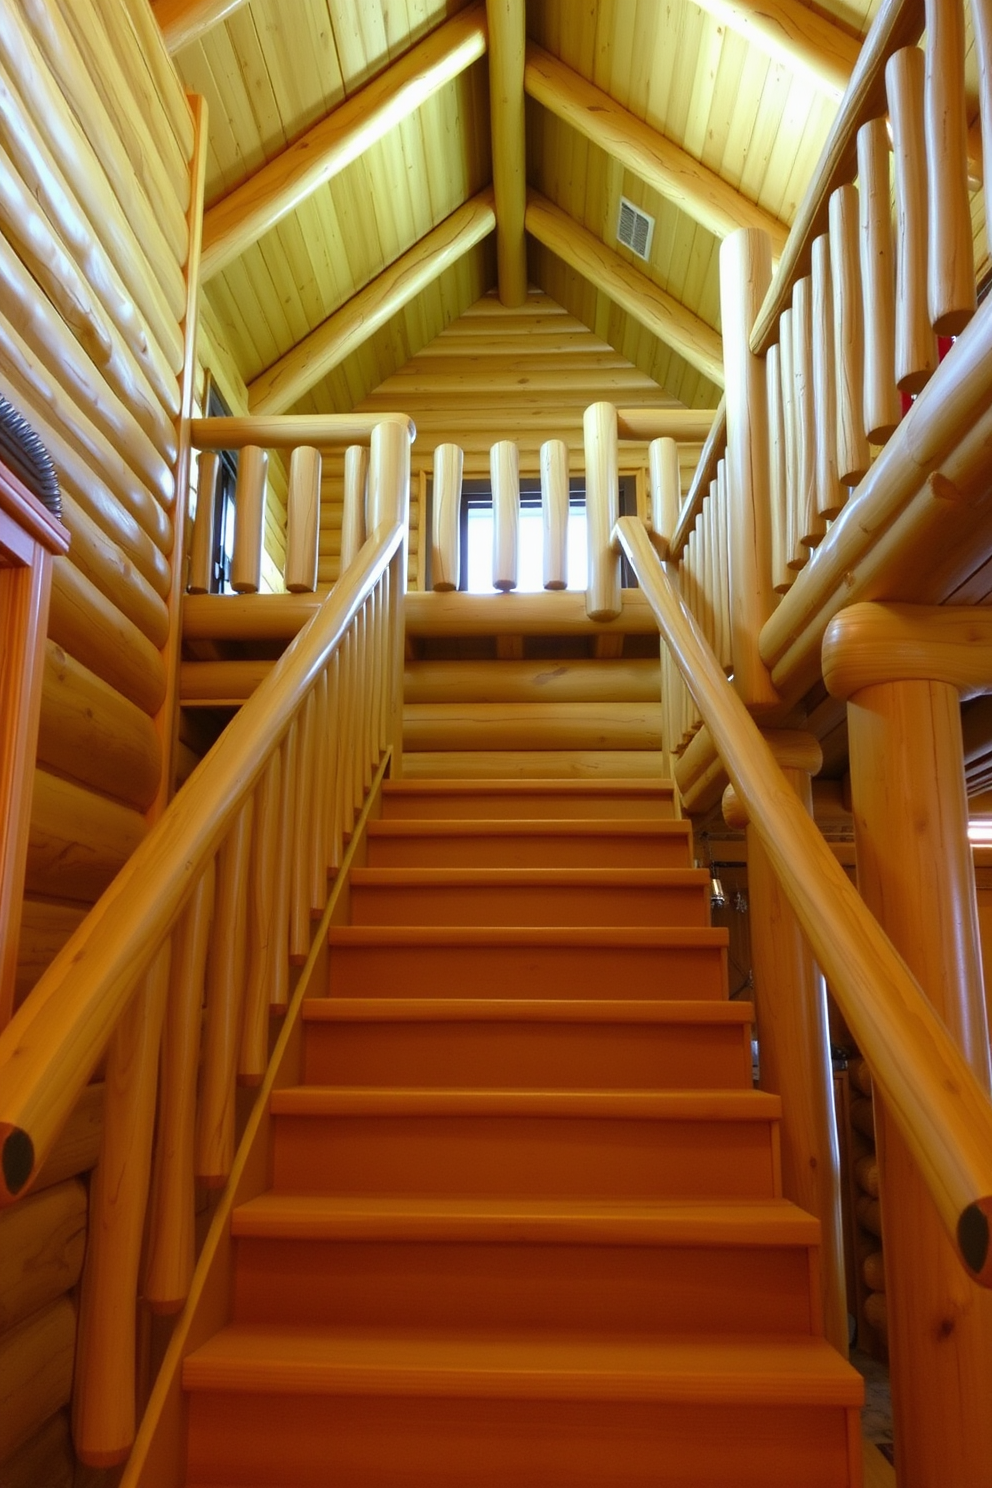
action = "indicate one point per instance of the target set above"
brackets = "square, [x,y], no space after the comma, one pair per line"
[650,305]
[665,167]
[241,217]
[507,43]
[294,374]
[184,21]
[791,33]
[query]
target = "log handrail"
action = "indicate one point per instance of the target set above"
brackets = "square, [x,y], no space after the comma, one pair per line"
[935,1099]
[49,1050]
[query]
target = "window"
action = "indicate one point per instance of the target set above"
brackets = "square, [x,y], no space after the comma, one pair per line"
[222,545]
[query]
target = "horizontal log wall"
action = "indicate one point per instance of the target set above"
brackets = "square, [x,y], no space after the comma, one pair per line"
[96,150]
[526,374]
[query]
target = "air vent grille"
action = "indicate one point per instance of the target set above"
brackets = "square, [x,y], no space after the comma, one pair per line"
[635,228]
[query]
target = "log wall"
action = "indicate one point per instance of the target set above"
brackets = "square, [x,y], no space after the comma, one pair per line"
[524,374]
[96,182]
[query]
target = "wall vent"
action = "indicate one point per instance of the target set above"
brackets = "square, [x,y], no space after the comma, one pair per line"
[635,229]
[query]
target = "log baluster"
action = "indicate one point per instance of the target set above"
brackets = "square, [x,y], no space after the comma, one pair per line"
[782,574]
[796,553]
[356,471]
[554,512]
[853,453]
[302,520]
[599,424]
[810,526]
[446,520]
[723,566]
[253,1055]
[916,345]
[504,468]
[332,765]
[882,404]
[666,491]
[950,254]
[299,910]
[830,494]
[318,811]
[279,993]
[249,511]
[202,546]
[981,19]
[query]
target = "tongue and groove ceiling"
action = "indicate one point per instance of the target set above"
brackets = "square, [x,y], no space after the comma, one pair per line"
[741,99]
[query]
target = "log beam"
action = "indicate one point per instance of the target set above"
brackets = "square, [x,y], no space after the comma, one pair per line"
[241,217]
[286,381]
[649,304]
[507,43]
[794,35]
[182,22]
[662,165]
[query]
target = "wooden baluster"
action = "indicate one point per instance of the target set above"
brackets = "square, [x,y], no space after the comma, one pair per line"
[253,1056]
[202,548]
[249,511]
[794,1036]
[225,998]
[384,622]
[810,526]
[830,494]
[318,810]
[279,992]
[302,520]
[723,550]
[365,672]
[554,510]
[397,652]
[853,454]
[916,345]
[449,463]
[981,19]
[171,1256]
[332,763]
[796,553]
[882,404]
[346,756]
[103,1410]
[708,556]
[356,472]
[299,902]
[504,468]
[782,574]
[745,274]
[950,254]
[666,490]
[599,426]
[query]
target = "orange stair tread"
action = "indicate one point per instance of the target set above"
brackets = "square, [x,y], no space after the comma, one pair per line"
[748,1370]
[524,1010]
[643,937]
[713,1223]
[642,1105]
[541,826]
[528,877]
[577,788]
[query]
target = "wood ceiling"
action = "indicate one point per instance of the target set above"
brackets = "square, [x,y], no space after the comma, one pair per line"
[746,104]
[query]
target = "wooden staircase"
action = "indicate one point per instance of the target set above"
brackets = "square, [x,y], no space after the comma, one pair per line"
[525,1224]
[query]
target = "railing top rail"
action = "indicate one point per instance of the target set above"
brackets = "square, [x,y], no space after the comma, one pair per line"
[323,431]
[931,1091]
[51,1046]
[899,23]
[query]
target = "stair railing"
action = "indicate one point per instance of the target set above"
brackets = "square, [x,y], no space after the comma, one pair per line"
[173,975]
[940,1108]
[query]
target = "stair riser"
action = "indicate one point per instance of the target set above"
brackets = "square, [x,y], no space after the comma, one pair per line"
[528,971]
[364,1441]
[566,1288]
[526,904]
[482,805]
[549,851]
[501,1156]
[529,1055]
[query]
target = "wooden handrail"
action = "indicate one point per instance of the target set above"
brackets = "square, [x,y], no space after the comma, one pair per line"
[49,1050]
[935,1099]
[322,431]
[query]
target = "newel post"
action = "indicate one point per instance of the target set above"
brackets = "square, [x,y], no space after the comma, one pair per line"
[901,669]
[745,274]
[790,999]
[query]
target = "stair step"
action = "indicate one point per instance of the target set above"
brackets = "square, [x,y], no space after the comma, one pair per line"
[527,1043]
[307,1406]
[528,1265]
[530,896]
[527,798]
[475,1143]
[471,843]
[534,961]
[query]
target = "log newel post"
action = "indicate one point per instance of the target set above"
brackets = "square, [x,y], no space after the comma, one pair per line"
[901,669]
[745,274]
[790,998]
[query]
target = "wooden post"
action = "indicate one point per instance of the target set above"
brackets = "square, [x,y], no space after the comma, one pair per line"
[882,405]
[599,424]
[249,511]
[507,48]
[302,520]
[916,345]
[790,999]
[950,256]
[745,274]
[830,494]
[853,454]
[810,529]
[445,523]
[915,873]
[504,466]
[201,553]
[777,489]
[356,471]
[554,509]
[666,491]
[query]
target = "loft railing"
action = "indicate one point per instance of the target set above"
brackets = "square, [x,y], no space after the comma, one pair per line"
[214,908]
[938,1104]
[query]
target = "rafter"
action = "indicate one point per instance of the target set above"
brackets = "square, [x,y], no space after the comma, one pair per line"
[184,21]
[325,150]
[286,381]
[794,35]
[507,42]
[668,169]
[649,304]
